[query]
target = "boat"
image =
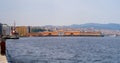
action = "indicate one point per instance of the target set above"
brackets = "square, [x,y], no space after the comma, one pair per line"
[11,37]
[14,33]
[14,36]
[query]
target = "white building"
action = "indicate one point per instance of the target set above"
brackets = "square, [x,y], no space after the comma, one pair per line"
[6,30]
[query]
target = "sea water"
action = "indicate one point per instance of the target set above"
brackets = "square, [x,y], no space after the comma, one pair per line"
[64,50]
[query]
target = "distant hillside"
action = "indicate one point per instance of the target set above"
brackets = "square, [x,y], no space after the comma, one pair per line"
[111,26]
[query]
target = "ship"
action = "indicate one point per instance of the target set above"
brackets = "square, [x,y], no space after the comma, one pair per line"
[14,33]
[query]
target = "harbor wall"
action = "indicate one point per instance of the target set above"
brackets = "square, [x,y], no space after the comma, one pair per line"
[65,33]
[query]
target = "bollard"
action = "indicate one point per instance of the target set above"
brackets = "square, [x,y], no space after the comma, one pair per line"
[3,46]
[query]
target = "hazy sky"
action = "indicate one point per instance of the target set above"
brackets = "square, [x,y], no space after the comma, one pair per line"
[59,12]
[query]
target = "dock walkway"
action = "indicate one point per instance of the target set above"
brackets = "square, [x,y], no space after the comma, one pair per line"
[3,59]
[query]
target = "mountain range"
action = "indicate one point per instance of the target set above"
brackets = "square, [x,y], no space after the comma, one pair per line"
[111,26]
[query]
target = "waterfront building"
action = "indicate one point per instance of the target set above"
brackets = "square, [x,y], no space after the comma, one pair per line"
[22,30]
[6,30]
[29,29]
[37,29]
[0,28]
[75,33]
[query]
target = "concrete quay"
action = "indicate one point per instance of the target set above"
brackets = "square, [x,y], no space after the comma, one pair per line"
[3,59]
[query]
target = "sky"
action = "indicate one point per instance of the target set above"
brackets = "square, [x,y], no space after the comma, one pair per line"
[59,12]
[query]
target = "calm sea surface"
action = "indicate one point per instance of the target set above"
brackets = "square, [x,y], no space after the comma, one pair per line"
[64,50]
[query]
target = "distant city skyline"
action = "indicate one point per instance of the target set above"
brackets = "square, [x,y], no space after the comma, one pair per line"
[59,12]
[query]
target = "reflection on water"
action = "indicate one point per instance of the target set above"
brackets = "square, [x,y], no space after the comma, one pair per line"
[64,50]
